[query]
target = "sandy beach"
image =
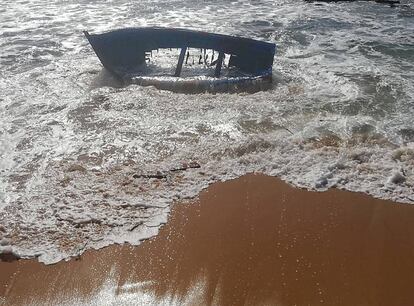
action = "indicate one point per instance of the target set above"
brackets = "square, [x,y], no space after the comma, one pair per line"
[251,241]
[163,152]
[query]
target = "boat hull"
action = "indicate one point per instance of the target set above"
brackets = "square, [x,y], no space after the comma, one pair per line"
[122,51]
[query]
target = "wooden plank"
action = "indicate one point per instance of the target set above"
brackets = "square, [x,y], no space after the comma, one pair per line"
[219,64]
[180,62]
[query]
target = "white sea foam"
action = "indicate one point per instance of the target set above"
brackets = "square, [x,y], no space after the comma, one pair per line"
[76,150]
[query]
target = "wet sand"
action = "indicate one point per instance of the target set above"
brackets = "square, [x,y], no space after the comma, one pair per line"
[250,241]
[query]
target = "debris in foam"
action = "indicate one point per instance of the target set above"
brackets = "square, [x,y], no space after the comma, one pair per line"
[186,166]
[164,175]
[157,175]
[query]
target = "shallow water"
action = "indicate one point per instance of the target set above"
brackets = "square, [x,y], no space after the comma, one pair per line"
[339,115]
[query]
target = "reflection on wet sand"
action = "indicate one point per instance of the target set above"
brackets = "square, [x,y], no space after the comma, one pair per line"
[250,241]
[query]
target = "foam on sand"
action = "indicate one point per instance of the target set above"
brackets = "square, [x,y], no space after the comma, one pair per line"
[269,244]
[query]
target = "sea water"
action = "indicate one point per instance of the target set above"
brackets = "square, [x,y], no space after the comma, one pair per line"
[77,149]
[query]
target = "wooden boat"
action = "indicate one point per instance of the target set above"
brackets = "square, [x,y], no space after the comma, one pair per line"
[123,51]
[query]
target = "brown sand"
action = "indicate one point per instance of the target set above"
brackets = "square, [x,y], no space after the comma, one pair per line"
[251,241]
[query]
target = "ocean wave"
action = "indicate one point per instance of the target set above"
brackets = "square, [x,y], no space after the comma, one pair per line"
[86,162]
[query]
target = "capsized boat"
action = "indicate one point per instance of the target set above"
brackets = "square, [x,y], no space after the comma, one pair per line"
[123,52]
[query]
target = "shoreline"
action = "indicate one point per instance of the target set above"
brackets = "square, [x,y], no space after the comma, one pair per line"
[252,240]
